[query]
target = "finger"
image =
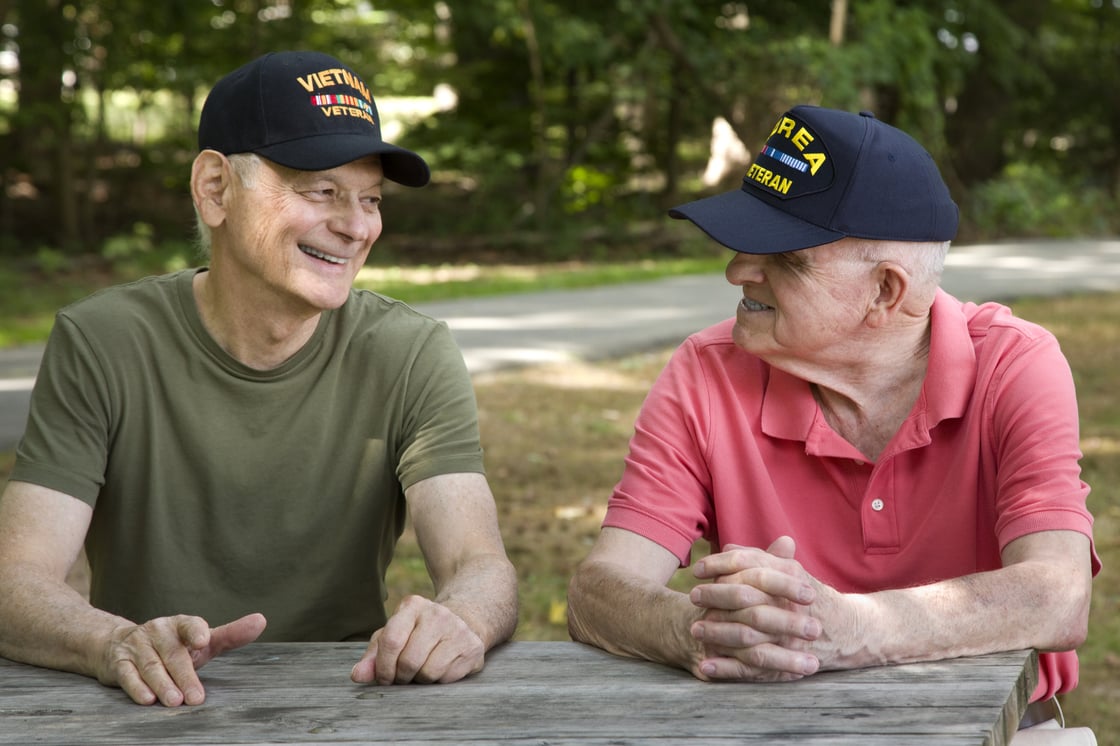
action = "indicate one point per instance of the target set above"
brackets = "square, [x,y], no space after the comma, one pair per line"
[454,657]
[180,668]
[752,588]
[414,663]
[152,669]
[736,559]
[393,639]
[754,626]
[728,596]
[365,669]
[763,663]
[175,660]
[783,546]
[235,634]
[129,680]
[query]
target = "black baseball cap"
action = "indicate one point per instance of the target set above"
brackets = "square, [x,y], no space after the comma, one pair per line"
[303,110]
[824,175]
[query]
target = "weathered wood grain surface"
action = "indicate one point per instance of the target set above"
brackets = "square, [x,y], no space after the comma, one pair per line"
[530,693]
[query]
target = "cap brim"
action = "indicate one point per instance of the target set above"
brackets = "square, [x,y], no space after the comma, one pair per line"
[331,151]
[748,225]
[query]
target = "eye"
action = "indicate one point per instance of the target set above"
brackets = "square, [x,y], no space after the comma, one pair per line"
[319,192]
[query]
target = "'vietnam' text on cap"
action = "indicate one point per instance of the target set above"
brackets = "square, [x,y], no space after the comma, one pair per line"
[303,110]
[824,175]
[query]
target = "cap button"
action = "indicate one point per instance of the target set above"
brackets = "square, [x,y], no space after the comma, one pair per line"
[868,114]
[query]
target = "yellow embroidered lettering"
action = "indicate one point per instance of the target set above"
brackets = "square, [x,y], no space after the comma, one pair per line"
[816,160]
[784,127]
[802,139]
[346,111]
[759,174]
[334,77]
[780,184]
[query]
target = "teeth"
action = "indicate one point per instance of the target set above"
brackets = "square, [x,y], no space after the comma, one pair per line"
[753,305]
[320,255]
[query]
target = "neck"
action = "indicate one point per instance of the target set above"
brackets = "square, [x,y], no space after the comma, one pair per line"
[867,399]
[254,334]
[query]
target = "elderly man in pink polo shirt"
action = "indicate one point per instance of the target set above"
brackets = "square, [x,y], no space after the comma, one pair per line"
[885,474]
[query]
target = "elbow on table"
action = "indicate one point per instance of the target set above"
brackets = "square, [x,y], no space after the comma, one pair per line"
[1069,614]
[577,600]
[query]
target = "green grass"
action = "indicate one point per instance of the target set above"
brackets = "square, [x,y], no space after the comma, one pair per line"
[428,284]
[29,297]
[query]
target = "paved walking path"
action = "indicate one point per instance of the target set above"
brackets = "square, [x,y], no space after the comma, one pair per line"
[610,321]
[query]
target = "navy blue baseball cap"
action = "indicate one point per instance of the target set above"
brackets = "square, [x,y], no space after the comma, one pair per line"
[303,110]
[824,175]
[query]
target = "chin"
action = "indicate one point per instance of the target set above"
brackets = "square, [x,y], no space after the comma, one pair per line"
[748,341]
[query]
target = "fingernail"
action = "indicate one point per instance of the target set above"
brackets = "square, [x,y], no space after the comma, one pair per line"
[708,669]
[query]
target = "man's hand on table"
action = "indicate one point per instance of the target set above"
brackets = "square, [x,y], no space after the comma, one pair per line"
[157,660]
[423,642]
[758,623]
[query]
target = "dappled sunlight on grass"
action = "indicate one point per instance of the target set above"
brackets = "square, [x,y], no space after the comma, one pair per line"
[445,282]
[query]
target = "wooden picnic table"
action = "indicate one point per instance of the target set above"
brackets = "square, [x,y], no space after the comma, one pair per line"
[529,693]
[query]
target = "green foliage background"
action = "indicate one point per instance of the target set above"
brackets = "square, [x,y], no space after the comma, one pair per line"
[572,118]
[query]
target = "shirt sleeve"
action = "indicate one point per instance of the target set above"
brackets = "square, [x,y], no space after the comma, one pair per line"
[1036,442]
[65,444]
[441,416]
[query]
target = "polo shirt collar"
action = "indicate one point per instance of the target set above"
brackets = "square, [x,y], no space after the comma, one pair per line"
[790,412]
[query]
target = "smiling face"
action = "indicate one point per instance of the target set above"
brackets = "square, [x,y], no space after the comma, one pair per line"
[804,307]
[296,239]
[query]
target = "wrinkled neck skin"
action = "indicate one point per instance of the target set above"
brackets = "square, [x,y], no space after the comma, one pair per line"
[870,388]
[243,325]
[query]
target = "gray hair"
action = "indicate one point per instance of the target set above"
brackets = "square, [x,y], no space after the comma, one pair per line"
[246,166]
[925,261]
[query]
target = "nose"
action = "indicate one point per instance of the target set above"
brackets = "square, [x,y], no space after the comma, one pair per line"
[744,268]
[355,222]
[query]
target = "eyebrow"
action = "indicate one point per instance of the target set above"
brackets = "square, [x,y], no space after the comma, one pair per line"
[307,178]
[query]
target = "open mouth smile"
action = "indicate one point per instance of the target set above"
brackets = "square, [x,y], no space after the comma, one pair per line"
[753,305]
[320,255]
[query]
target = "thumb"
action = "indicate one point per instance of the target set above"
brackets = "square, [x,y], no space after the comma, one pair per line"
[783,547]
[229,636]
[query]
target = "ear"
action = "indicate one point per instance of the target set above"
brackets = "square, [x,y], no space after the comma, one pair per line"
[210,183]
[892,283]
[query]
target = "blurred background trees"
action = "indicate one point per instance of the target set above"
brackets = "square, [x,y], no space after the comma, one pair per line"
[558,127]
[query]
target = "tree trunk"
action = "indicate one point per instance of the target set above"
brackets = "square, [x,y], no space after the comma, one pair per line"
[41,124]
[838,22]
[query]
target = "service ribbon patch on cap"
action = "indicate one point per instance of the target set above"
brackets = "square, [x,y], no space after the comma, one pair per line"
[793,162]
[333,104]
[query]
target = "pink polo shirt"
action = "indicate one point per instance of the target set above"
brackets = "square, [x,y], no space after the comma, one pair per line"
[732,450]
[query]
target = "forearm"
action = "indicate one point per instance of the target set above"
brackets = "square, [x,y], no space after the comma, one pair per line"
[629,615]
[45,622]
[1028,605]
[483,593]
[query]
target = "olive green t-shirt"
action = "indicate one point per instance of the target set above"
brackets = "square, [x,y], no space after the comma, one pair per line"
[219,490]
